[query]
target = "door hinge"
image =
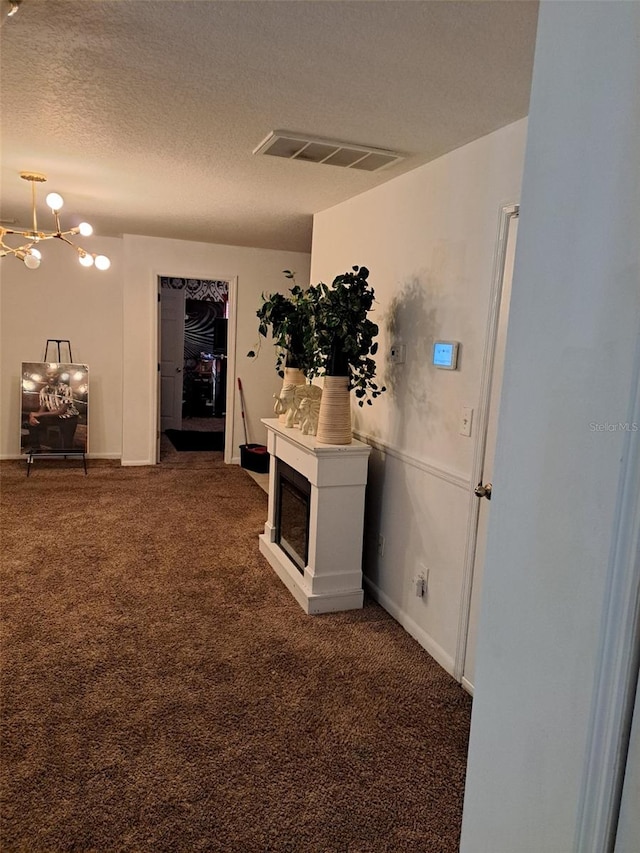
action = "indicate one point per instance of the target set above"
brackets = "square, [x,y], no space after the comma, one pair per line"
[158,296]
[158,367]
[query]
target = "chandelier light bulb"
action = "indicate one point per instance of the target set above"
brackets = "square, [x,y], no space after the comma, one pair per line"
[85,229]
[31,262]
[36,253]
[86,259]
[103,262]
[54,201]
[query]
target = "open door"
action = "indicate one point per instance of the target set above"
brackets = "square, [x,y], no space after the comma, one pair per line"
[171,358]
[483,489]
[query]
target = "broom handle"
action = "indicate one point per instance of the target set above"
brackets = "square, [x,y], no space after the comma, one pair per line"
[244,422]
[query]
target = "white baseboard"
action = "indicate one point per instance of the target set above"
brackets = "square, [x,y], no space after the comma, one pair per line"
[130,463]
[468,686]
[427,642]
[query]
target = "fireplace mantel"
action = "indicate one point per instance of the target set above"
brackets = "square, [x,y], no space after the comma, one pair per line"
[337,473]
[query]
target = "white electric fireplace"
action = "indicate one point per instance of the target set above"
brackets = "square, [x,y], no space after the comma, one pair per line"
[313,534]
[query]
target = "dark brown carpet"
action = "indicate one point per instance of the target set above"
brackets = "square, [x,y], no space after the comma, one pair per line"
[162,691]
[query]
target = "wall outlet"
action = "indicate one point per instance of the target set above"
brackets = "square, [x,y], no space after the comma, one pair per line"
[422,582]
[380,545]
[397,353]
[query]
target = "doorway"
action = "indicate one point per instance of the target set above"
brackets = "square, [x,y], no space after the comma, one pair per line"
[480,499]
[204,378]
[194,316]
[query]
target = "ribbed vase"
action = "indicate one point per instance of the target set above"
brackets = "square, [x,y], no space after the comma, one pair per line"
[334,420]
[292,376]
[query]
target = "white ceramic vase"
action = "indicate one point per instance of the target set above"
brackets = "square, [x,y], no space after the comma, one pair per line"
[334,420]
[292,376]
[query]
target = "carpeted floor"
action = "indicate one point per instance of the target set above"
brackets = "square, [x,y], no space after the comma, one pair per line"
[162,691]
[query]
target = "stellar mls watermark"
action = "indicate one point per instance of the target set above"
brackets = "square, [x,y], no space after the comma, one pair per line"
[619,426]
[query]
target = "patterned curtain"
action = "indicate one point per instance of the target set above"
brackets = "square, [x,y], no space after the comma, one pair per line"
[200,329]
[197,288]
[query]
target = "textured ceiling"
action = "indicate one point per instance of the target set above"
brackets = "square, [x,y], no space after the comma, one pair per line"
[144,113]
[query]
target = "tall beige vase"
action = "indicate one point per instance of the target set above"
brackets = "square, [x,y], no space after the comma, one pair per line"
[292,376]
[334,420]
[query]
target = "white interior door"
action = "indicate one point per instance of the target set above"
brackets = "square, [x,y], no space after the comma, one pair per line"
[490,448]
[171,358]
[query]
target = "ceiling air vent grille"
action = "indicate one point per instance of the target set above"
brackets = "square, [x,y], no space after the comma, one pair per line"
[294,146]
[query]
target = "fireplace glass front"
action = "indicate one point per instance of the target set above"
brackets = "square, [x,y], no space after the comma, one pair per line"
[293,499]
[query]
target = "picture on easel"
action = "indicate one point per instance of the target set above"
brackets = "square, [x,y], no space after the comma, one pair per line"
[54,407]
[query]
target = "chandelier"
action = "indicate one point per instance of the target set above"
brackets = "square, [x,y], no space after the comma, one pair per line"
[28,252]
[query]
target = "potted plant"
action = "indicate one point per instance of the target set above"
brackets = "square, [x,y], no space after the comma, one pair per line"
[341,347]
[287,317]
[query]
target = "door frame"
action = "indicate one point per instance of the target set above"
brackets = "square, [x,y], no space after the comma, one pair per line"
[231,354]
[506,214]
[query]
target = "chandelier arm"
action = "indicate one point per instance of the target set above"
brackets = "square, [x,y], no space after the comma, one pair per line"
[14,250]
[60,236]
[35,237]
[32,234]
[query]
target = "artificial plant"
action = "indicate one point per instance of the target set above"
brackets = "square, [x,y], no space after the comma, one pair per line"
[342,338]
[288,318]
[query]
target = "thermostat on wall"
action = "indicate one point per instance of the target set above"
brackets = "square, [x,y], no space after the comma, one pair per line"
[445,354]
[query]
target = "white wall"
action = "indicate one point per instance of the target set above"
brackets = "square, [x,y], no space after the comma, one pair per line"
[571,356]
[256,270]
[110,318]
[428,238]
[61,299]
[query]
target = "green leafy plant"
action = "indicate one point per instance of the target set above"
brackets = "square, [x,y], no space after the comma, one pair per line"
[326,330]
[288,318]
[342,343]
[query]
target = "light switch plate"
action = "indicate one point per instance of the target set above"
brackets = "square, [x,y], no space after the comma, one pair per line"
[397,353]
[466,418]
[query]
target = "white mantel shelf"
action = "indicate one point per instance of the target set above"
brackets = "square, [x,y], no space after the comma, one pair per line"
[337,473]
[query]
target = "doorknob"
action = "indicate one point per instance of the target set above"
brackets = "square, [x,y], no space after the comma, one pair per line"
[483,491]
[178,370]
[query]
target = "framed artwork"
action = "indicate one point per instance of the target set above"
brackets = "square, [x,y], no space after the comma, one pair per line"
[54,407]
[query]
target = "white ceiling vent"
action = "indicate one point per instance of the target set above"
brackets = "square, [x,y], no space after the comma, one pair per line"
[295,146]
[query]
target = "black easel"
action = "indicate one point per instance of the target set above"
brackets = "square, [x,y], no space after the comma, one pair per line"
[56,342]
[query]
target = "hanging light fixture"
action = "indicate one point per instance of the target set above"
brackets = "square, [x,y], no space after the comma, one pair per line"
[28,252]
